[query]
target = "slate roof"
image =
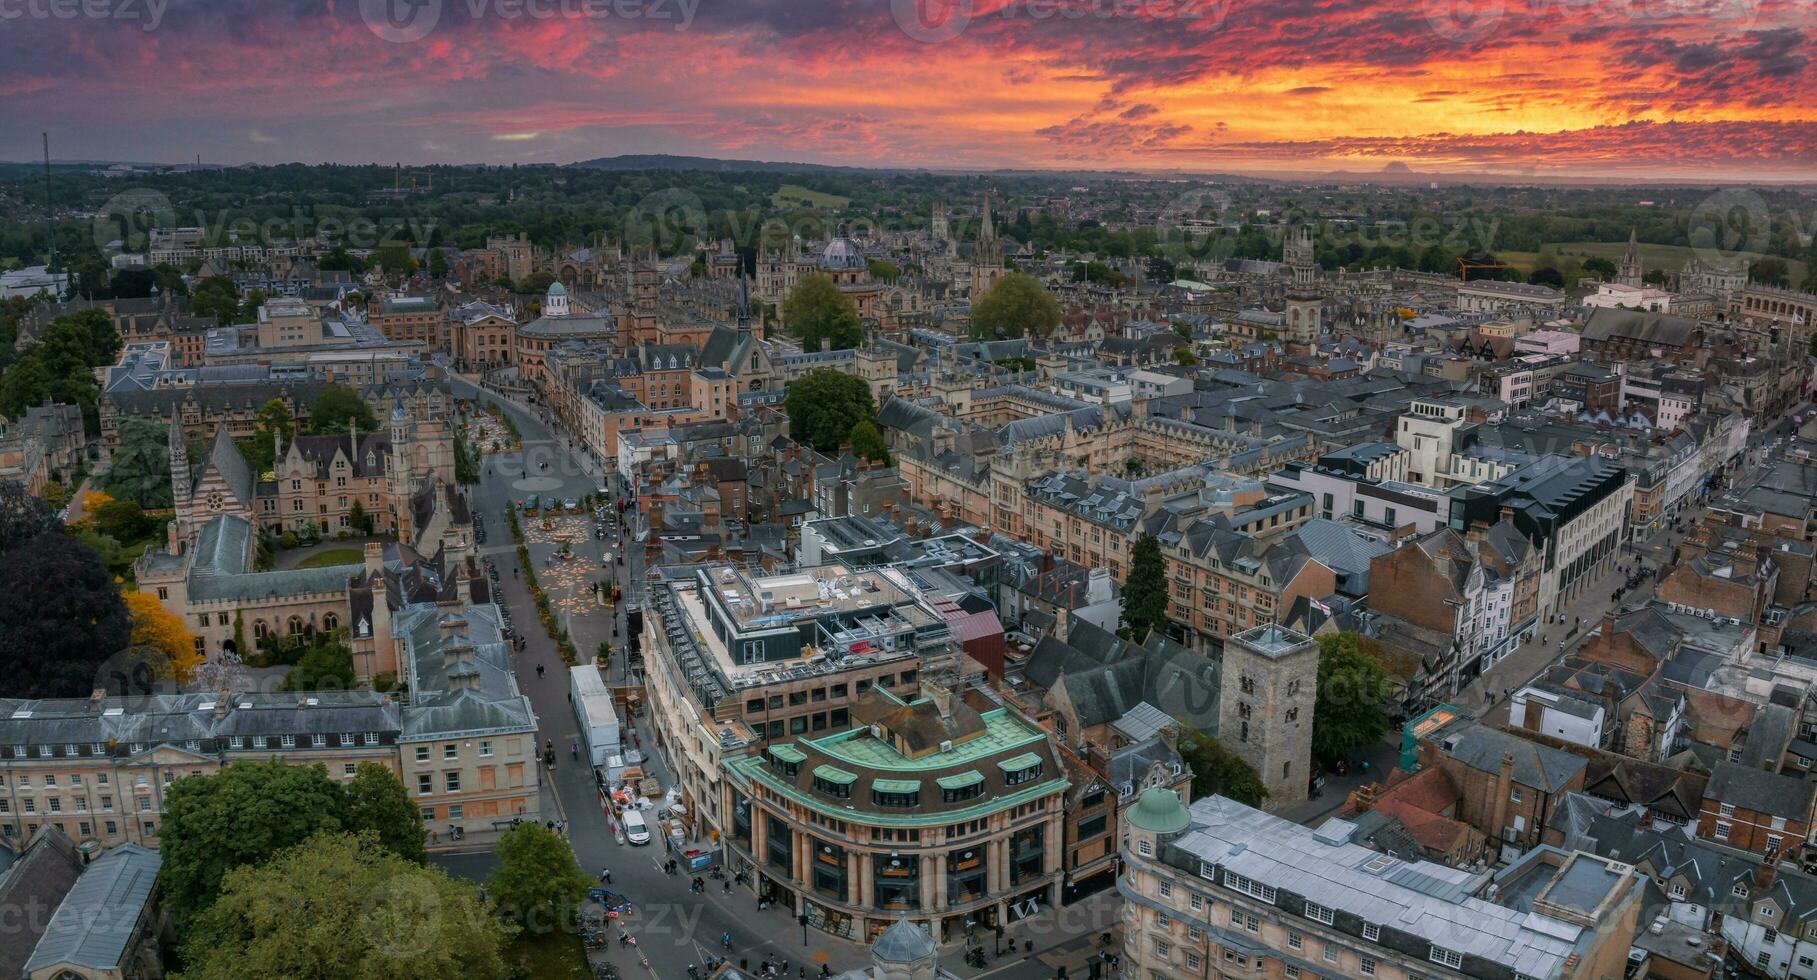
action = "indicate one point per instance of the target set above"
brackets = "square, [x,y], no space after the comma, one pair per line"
[41,879]
[1481,748]
[459,671]
[224,458]
[1761,791]
[220,570]
[99,916]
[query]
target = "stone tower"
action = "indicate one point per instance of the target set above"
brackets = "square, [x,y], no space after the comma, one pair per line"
[1297,255]
[987,254]
[1631,273]
[180,488]
[1304,309]
[942,230]
[1268,686]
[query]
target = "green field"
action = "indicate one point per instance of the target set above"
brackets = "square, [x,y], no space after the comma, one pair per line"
[333,556]
[1670,258]
[549,956]
[795,195]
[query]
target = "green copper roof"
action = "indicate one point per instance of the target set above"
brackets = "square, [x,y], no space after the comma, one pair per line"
[1002,732]
[961,780]
[752,769]
[1159,811]
[788,753]
[1017,763]
[896,785]
[834,774]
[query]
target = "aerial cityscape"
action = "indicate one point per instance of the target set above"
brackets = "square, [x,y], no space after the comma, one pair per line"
[908,490]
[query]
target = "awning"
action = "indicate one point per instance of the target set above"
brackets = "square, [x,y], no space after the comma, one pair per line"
[896,785]
[834,774]
[970,777]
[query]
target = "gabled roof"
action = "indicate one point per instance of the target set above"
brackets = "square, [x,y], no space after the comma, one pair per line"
[97,920]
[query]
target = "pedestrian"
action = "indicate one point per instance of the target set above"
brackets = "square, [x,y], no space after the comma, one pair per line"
[605,876]
[728,887]
[574,749]
[785,966]
[539,670]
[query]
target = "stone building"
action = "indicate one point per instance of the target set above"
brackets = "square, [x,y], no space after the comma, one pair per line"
[1268,687]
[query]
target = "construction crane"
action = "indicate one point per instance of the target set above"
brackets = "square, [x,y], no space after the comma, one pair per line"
[1464,266]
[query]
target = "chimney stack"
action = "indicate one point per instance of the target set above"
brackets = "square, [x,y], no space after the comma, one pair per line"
[1504,785]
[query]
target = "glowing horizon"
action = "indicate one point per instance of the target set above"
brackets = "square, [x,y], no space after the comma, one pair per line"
[1663,89]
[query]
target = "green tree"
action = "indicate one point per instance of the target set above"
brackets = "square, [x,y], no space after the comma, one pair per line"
[1546,276]
[325,665]
[822,316]
[824,405]
[1145,590]
[537,882]
[1770,272]
[378,802]
[1015,306]
[242,815]
[338,406]
[140,467]
[217,297]
[1353,691]
[466,467]
[1184,356]
[885,270]
[337,905]
[122,520]
[63,618]
[358,520]
[273,424]
[867,442]
[1216,769]
[1599,267]
[438,263]
[394,258]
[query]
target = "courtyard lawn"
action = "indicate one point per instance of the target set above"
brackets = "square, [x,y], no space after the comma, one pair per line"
[333,556]
[549,956]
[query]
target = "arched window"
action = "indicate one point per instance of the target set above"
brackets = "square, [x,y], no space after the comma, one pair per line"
[259,629]
[330,621]
[296,625]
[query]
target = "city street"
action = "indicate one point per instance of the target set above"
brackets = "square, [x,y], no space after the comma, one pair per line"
[674,928]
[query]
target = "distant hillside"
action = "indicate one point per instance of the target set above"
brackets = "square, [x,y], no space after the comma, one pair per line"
[668,161]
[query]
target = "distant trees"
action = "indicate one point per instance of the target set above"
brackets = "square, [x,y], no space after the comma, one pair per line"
[1145,589]
[337,408]
[437,263]
[216,296]
[340,905]
[822,316]
[1599,267]
[1353,691]
[1546,276]
[824,406]
[1015,306]
[60,367]
[1770,272]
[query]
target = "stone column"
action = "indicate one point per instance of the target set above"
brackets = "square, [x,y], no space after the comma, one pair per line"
[867,883]
[994,878]
[927,883]
[1054,864]
[854,877]
[941,898]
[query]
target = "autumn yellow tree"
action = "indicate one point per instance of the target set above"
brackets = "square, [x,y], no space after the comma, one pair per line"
[156,627]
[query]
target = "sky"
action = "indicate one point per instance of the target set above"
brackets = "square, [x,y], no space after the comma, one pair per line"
[1615,88]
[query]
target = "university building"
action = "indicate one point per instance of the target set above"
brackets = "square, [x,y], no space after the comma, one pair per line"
[942,808]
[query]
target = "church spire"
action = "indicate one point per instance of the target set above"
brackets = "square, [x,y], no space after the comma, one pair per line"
[1631,272]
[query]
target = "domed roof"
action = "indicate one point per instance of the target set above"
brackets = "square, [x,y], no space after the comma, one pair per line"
[842,253]
[903,942]
[557,289]
[1159,811]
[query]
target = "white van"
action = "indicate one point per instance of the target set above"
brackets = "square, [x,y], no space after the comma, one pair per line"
[636,831]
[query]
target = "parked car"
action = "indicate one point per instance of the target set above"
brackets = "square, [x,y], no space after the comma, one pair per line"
[636,830]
